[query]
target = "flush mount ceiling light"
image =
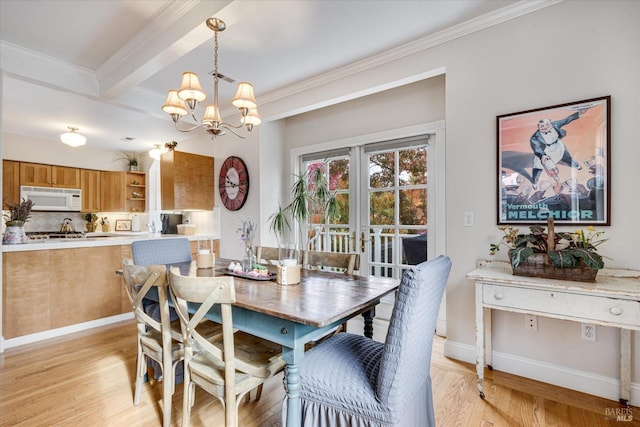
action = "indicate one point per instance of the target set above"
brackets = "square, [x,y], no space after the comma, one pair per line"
[72,138]
[157,151]
[191,93]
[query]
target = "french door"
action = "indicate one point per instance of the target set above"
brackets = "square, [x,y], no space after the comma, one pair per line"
[381,189]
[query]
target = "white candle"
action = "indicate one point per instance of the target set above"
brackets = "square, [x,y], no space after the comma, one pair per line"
[289,262]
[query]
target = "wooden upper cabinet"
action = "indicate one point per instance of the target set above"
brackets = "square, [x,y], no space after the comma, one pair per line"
[187,181]
[112,191]
[41,175]
[65,177]
[10,182]
[35,174]
[91,190]
[122,191]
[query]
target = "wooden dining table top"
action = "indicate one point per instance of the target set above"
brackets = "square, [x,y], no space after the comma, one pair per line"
[320,299]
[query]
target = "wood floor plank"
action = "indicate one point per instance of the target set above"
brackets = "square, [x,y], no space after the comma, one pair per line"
[87,379]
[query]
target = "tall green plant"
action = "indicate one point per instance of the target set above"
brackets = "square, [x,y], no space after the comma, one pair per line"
[310,194]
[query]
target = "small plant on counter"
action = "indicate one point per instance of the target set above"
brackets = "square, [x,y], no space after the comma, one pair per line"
[171,145]
[90,217]
[19,213]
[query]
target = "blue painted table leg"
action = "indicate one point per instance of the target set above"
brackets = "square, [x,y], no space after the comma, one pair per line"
[293,357]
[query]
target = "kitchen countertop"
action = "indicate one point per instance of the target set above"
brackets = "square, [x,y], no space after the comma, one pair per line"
[98,239]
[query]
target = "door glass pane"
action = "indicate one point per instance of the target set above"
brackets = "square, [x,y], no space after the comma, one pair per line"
[413,206]
[339,174]
[413,166]
[382,208]
[381,170]
[343,209]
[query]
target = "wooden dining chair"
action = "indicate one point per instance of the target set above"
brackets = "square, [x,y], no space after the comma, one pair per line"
[267,255]
[154,337]
[331,261]
[229,369]
[351,380]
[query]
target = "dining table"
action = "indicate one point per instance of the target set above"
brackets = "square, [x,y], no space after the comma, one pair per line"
[294,315]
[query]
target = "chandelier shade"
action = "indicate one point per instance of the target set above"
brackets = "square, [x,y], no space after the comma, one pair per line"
[174,105]
[184,101]
[72,138]
[244,96]
[190,90]
[251,119]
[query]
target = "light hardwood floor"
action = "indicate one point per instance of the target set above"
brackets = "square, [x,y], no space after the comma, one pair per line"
[85,379]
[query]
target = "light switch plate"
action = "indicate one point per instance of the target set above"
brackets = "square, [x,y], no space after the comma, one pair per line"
[468,219]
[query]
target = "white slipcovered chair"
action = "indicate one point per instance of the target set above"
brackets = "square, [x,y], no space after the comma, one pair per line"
[352,381]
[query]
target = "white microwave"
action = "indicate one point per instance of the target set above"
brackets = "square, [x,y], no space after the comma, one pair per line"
[53,199]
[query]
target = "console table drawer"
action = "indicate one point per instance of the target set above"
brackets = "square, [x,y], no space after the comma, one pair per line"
[563,304]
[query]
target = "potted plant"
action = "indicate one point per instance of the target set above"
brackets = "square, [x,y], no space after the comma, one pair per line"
[91,219]
[310,196]
[548,254]
[133,159]
[18,214]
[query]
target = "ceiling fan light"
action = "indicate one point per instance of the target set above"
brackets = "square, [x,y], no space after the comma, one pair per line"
[72,138]
[244,96]
[190,88]
[174,105]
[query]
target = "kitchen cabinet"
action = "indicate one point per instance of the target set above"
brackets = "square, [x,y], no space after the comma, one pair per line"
[10,182]
[90,186]
[42,175]
[123,191]
[45,290]
[187,181]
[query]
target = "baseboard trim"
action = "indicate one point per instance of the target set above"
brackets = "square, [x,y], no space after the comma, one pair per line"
[561,376]
[53,333]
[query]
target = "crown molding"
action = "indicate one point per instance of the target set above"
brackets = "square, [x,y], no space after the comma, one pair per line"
[35,66]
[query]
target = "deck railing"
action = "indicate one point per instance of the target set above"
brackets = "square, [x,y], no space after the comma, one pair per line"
[386,257]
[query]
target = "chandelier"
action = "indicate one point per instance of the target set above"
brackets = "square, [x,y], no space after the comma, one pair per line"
[191,93]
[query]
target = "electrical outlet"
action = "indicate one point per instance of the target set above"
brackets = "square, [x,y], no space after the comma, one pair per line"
[531,322]
[588,331]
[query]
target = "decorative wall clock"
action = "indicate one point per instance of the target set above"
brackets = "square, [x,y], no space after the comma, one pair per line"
[233,183]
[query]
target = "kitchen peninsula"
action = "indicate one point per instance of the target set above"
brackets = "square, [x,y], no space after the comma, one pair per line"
[53,287]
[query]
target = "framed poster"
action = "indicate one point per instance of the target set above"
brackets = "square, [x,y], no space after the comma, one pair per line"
[123,225]
[553,162]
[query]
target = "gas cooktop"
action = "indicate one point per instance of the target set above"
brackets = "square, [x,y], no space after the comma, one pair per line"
[41,235]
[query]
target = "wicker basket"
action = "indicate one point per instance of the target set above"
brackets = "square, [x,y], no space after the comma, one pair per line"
[539,265]
[288,275]
[186,229]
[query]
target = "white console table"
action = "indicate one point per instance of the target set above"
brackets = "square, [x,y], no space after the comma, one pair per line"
[613,300]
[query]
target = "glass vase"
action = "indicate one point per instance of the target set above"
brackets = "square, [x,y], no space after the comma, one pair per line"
[249,259]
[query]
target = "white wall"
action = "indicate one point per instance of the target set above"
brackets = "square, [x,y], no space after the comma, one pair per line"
[566,52]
